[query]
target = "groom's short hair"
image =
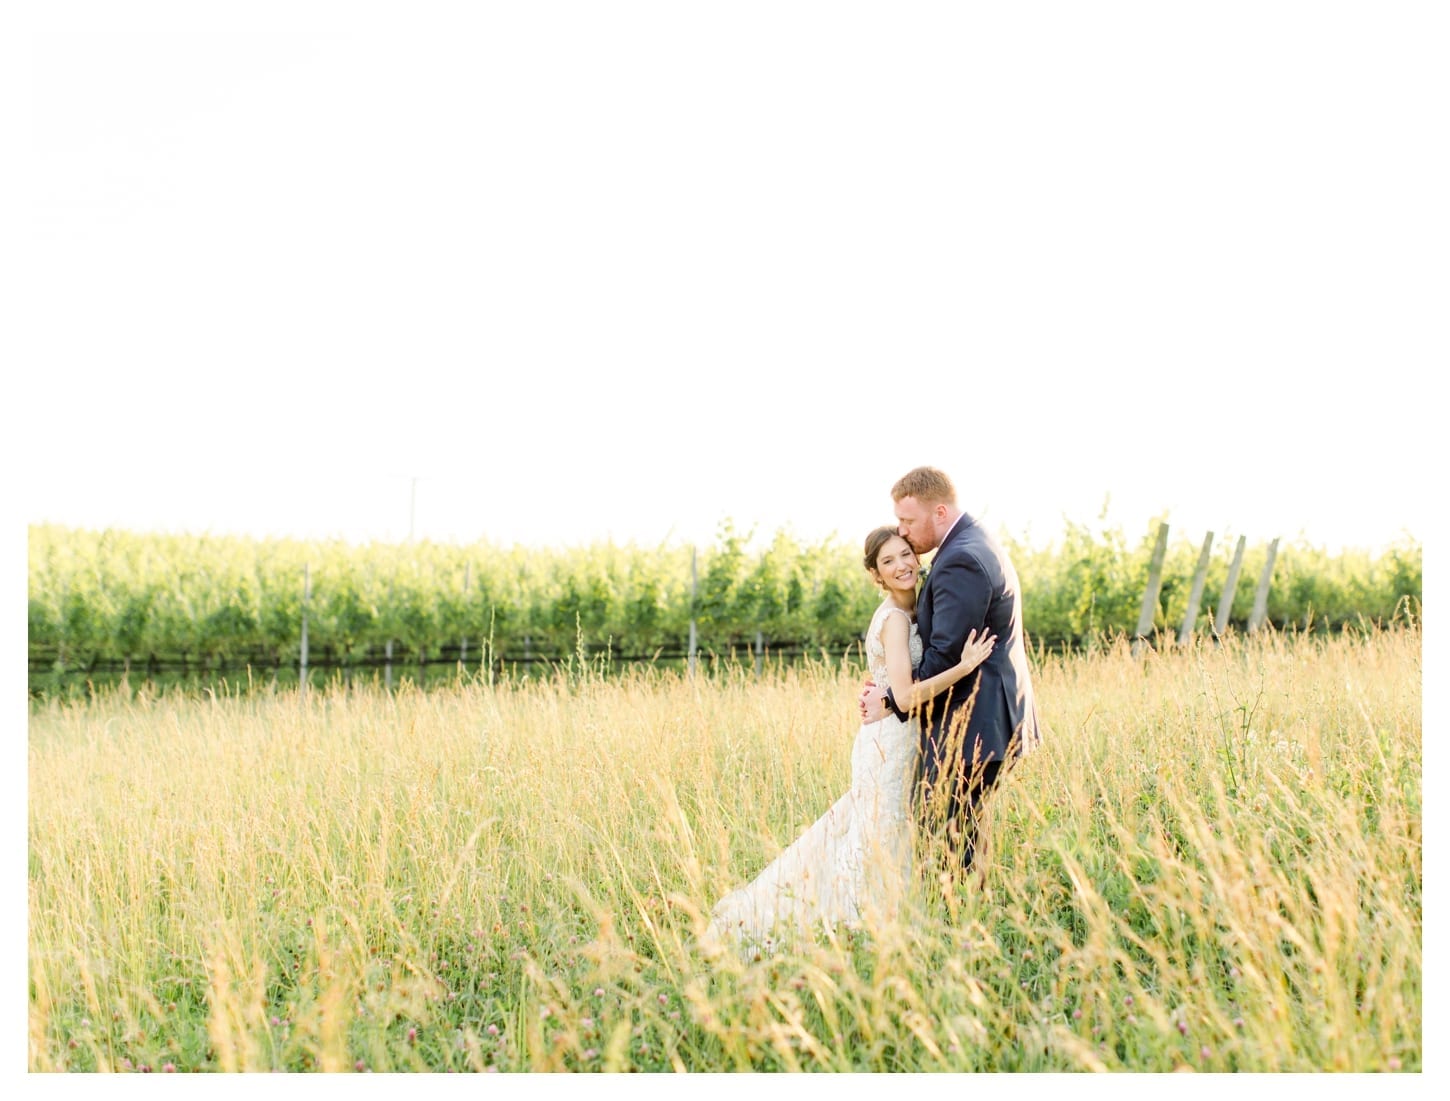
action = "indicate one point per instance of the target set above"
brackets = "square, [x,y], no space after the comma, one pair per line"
[927,484]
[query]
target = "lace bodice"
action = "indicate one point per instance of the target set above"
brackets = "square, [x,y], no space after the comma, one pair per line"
[876,650]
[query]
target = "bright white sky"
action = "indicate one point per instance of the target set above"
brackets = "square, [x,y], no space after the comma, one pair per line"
[624,270]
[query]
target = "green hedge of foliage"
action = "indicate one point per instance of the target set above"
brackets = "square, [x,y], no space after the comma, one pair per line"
[116,596]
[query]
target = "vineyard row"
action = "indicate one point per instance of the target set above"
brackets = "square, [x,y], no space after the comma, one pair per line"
[118,597]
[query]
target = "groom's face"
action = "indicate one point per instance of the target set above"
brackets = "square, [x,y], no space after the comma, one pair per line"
[916,523]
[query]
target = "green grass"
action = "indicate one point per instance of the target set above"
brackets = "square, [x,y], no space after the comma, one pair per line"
[1214,863]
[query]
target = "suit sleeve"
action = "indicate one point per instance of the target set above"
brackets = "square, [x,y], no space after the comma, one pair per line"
[960,594]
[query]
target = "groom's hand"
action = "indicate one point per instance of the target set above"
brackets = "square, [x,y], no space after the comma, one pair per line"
[873,706]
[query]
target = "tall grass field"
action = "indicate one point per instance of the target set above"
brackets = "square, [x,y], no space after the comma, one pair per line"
[1213,864]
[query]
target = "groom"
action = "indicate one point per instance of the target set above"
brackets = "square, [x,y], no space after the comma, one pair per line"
[971,734]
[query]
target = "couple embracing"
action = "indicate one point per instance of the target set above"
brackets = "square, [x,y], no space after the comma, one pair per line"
[947,710]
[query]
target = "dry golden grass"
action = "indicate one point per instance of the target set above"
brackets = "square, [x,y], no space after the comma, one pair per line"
[1214,863]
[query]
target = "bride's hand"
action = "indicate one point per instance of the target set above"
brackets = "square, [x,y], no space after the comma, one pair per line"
[975,652]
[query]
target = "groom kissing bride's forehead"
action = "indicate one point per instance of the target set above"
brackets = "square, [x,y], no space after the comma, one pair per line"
[926,508]
[990,718]
[949,704]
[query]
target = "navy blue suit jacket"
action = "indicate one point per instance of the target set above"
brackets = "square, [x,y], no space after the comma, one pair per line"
[972,584]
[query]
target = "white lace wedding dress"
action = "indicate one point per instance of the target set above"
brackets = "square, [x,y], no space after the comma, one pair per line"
[852,864]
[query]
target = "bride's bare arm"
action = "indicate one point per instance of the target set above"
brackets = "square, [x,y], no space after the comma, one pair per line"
[895,637]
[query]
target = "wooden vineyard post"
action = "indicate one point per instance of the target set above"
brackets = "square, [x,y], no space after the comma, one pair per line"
[306,596]
[1196,594]
[694,588]
[60,645]
[759,652]
[1150,595]
[423,646]
[388,647]
[1261,597]
[463,642]
[1226,600]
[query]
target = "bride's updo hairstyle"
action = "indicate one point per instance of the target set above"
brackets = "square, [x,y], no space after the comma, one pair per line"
[874,542]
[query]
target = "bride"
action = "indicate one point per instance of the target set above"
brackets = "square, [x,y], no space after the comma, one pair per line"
[851,865]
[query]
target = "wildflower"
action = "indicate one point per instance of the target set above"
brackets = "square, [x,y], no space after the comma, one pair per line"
[492,1030]
[412,1035]
[1183,1028]
[590,1053]
[359,1066]
[1394,1064]
[169,1068]
[1077,1014]
[599,991]
[1128,999]
[1238,1022]
[1205,1052]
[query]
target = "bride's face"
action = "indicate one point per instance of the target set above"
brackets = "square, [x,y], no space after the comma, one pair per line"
[896,565]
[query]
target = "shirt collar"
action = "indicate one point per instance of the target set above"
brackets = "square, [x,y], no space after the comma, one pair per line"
[961,521]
